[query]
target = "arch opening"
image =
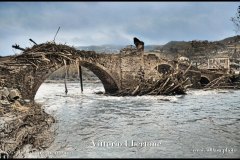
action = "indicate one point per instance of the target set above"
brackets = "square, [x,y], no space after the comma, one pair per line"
[102,75]
[204,81]
[164,68]
[59,75]
[107,80]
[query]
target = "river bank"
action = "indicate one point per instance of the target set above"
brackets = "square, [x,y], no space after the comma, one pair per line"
[23,123]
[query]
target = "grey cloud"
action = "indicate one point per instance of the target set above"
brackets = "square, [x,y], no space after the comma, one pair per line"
[96,23]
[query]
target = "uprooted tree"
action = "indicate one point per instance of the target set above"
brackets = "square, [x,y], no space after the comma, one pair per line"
[236,20]
[236,23]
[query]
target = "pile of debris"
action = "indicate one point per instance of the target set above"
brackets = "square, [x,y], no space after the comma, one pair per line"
[171,83]
[45,53]
[22,123]
[52,50]
[227,81]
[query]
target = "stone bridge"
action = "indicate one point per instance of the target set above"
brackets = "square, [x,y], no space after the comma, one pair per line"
[208,75]
[31,68]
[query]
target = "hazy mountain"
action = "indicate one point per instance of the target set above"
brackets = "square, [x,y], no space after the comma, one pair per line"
[176,44]
[230,40]
[195,49]
[152,47]
[109,48]
[185,48]
[102,48]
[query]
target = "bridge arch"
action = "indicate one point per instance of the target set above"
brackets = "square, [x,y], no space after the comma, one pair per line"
[204,80]
[32,67]
[164,68]
[100,71]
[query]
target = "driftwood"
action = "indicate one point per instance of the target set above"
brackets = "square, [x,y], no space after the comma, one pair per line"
[56,33]
[47,56]
[169,84]
[33,41]
[66,75]
[80,77]
[18,47]
[48,52]
[227,81]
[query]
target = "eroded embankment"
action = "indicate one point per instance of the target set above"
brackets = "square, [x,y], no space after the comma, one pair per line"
[22,123]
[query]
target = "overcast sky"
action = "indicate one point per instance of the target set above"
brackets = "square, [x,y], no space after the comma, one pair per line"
[98,23]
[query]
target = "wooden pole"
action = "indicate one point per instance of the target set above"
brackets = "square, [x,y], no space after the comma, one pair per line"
[33,41]
[65,81]
[56,34]
[79,69]
[80,77]
[18,47]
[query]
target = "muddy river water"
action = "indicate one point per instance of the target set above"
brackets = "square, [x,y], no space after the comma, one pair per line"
[199,124]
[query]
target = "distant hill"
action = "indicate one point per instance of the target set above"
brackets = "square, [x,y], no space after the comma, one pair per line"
[176,44]
[108,48]
[204,49]
[102,48]
[152,47]
[173,48]
[230,40]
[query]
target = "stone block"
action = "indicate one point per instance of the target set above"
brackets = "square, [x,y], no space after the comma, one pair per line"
[14,94]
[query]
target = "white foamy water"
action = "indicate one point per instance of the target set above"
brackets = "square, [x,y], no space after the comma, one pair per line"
[199,124]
